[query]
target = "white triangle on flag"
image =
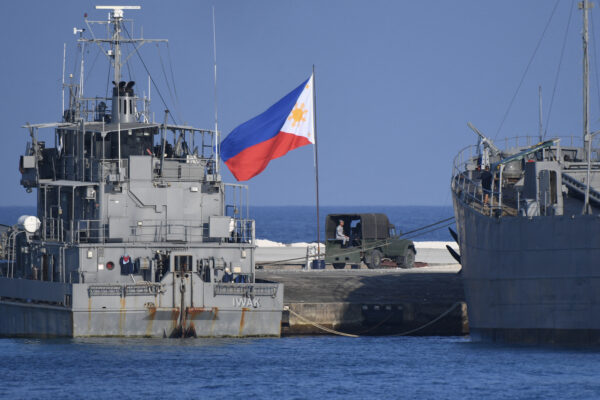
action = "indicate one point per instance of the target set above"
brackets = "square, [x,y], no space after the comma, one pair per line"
[300,120]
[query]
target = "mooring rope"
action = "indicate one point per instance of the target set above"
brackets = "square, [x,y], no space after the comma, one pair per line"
[442,315]
[316,325]
[334,332]
[427,226]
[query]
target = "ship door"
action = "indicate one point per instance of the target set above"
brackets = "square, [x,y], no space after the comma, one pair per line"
[46,275]
[183,291]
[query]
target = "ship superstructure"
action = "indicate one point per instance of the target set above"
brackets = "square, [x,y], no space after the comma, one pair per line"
[528,230]
[134,234]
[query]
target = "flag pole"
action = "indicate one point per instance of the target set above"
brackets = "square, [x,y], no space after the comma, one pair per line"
[217,141]
[316,163]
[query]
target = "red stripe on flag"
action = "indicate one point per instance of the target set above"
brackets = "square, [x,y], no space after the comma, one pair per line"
[253,160]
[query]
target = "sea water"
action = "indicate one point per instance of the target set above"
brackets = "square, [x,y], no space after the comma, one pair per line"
[311,367]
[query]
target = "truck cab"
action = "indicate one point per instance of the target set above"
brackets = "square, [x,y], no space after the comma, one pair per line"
[371,239]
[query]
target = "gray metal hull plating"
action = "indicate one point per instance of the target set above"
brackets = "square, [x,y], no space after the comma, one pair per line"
[225,312]
[27,320]
[34,320]
[531,280]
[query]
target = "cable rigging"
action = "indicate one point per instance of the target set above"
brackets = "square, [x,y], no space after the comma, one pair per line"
[429,231]
[562,52]
[162,99]
[428,226]
[89,73]
[526,70]
[174,98]
[108,79]
[595,58]
[172,73]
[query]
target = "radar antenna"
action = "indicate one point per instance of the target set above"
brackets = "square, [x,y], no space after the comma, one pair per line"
[116,18]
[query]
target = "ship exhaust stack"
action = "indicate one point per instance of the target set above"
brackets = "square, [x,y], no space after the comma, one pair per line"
[123,102]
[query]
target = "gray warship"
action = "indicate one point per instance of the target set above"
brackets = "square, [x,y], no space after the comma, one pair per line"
[136,235]
[530,253]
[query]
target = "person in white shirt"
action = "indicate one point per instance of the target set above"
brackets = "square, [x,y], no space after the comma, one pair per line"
[339,233]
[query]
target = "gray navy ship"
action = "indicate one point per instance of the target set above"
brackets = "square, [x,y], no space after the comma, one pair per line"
[135,233]
[529,234]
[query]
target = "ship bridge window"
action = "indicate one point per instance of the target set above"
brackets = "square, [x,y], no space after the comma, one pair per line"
[133,143]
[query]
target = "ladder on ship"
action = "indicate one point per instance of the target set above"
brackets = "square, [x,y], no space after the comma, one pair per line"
[8,253]
[579,188]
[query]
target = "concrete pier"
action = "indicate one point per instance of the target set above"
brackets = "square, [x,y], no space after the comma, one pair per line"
[372,302]
[269,253]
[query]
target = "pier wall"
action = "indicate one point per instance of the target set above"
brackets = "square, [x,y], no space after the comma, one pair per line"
[373,302]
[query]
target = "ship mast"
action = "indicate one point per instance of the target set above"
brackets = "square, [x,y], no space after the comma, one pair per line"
[587,136]
[117,19]
[112,47]
[114,54]
[585,5]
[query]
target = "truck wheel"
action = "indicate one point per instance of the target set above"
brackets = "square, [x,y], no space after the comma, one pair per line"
[374,260]
[339,265]
[409,258]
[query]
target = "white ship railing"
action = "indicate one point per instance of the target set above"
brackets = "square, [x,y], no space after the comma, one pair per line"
[528,141]
[94,231]
[242,231]
[470,191]
[180,169]
[248,290]
[88,109]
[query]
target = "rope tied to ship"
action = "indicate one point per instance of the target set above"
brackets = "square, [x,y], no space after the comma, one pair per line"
[316,325]
[433,321]
[334,332]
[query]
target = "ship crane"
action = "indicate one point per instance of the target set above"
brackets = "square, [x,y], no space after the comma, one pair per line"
[488,146]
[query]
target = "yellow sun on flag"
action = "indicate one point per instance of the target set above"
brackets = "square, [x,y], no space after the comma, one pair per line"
[297,114]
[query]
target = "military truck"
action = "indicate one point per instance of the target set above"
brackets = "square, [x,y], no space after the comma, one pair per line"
[371,238]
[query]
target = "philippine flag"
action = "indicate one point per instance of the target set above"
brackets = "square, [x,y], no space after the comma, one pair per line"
[285,126]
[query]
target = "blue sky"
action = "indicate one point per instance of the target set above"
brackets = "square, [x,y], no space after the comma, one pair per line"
[397,82]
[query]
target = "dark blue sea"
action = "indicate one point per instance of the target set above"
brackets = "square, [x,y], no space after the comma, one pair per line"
[313,367]
[293,368]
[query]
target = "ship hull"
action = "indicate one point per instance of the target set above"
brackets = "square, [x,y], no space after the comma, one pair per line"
[108,311]
[531,280]
[26,320]
[19,319]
